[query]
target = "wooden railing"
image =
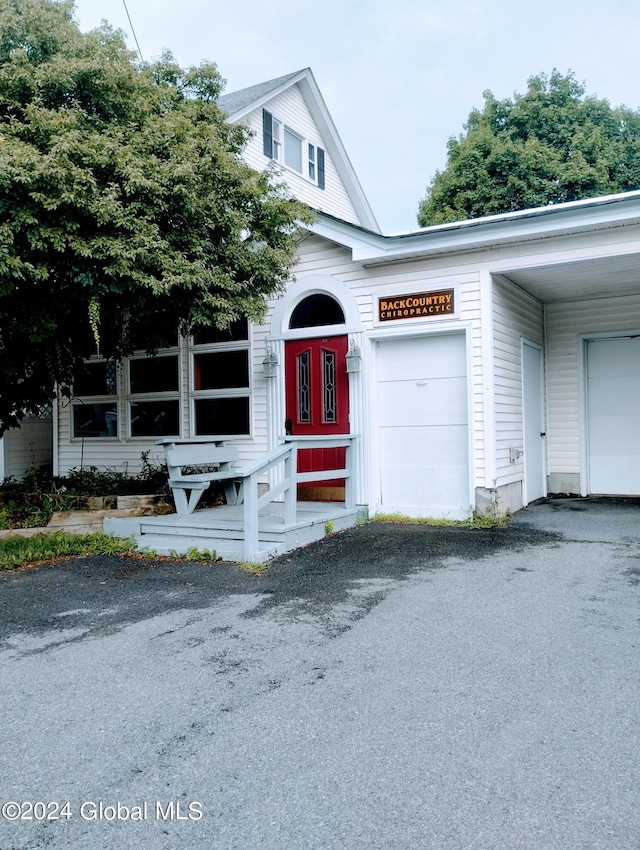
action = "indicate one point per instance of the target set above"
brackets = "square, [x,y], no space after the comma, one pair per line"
[204,452]
[332,441]
[286,454]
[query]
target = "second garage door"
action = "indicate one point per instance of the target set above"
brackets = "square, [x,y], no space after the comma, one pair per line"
[423,433]
[613,415]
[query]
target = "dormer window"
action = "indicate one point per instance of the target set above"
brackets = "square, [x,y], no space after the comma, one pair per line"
[283,144]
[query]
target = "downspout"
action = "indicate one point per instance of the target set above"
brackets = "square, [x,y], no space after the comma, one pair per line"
[488,389]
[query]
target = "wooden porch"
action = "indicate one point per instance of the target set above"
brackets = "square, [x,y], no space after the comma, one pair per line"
[262,524]
[221,529]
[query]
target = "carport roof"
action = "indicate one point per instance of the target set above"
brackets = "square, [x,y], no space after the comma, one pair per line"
[594,277]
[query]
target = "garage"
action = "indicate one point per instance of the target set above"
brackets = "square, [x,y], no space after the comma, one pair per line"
[613,416]
[423,431]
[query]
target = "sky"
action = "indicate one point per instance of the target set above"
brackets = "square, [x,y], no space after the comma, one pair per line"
[399,77]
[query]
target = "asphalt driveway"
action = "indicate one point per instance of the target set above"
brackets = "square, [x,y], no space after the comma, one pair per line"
[389,687]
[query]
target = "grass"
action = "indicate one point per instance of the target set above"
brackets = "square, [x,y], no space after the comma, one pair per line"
[17,551]
[253,568]
[193,554]
[477,520]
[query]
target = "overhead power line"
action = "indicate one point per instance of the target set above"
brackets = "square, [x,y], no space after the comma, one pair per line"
[135,37]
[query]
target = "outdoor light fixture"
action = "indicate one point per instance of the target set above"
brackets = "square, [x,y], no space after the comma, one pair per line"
[270,364]
[353,358]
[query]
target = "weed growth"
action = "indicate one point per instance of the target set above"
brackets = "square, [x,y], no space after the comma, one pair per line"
[194,554]
[16,551]
[253,568]
[476,520]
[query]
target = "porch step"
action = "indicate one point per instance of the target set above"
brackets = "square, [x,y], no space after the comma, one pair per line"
[221,530]
[226,550]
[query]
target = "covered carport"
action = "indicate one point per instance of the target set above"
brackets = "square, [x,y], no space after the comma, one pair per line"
[591,327]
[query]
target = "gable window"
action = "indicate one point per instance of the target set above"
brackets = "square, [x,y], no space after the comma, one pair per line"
[312,162]
[276,139]
[283,144]
[220,383]
[316,165]
[292,150]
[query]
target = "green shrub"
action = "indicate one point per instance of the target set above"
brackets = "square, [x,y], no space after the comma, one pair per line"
[30,502]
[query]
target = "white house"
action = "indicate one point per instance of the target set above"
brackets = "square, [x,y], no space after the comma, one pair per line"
[27,447]
[491,361]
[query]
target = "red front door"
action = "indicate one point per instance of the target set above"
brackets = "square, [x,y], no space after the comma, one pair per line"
[317,403]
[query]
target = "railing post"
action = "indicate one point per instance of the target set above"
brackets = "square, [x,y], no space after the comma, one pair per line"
[349,483]
[251,537]
[291,493]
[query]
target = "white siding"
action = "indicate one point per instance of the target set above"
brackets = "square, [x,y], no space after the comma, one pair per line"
[566,323]
[320,256]
[290,108]
[515,315]
[27,447]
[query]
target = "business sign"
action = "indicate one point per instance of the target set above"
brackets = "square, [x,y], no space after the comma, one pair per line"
[418,304]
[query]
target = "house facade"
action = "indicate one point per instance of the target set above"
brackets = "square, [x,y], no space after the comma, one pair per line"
[481,364]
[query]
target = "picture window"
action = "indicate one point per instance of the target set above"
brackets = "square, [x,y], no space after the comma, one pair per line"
[220,381]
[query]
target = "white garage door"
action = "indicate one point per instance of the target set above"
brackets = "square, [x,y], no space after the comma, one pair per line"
[423,426]
[613,413]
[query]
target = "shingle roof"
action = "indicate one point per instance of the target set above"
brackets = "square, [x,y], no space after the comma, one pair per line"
[237,100]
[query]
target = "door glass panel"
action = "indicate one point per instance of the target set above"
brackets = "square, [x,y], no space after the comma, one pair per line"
[304,387]
[329,409]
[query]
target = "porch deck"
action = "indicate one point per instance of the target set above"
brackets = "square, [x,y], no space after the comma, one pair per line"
[221,529]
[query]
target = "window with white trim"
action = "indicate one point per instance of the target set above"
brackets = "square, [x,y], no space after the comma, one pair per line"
[220,381]
[94,402]
[283,144]
[153,395]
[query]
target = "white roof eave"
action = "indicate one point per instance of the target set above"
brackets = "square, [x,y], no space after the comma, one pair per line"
[371,248]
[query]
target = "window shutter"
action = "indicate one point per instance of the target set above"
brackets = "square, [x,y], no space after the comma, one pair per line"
[267,133]
[320,154]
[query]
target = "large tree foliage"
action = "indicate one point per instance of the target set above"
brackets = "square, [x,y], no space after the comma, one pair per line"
[550,145]
[126,210]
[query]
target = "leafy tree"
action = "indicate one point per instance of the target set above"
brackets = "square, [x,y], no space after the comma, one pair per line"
[550,145]
[126,210]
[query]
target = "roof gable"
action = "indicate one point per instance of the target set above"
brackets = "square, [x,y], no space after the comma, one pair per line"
[239,105]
